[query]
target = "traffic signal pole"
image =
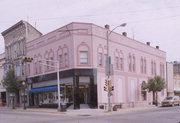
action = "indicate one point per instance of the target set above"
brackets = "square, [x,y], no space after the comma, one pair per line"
[108,70]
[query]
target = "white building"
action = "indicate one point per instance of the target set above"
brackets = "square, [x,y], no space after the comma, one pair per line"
[170,81]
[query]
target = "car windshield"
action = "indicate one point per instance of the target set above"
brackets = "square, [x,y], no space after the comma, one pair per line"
[169,98]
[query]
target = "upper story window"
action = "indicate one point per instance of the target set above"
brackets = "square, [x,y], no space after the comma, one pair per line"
[153,67]
[60,60]
[100,55]
[162,69]
[22,68]
[116,59]
[117,62]
[39,63]
[145,66]
[152,72]
[83,57]
[17,69]
[51,60]
[100,59]
[47,61]
[83,54]
[134,64]
[130,63]
[142,65]
[121,63]
[65,56]
[66,59]
[28,69]
[35,65]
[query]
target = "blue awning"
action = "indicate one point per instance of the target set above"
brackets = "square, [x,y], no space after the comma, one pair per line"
[45,89]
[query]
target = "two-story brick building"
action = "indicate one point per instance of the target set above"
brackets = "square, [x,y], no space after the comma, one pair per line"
[80,49]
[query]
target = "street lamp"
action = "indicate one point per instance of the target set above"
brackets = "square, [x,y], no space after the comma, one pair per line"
[24,86]
[108,64]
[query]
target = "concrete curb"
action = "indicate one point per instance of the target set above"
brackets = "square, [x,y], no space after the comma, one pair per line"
[85,112]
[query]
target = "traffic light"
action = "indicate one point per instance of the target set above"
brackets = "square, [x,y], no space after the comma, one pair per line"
[105,88]
[106,83]
[27,59]
[111,88]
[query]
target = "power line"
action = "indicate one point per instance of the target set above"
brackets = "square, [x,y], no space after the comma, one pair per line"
[154,19]
[94,15]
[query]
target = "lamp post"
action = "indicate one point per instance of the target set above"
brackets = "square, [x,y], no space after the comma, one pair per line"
[108,64]
[24,87]
[59,89]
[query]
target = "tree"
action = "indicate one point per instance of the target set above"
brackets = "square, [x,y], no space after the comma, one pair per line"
[11,84]
[155,85]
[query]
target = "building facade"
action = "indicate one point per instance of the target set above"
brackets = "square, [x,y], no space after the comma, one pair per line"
[170,79]
[176,67]
[176,77]
[15,39]
[2,89]
[80,51]
[177,84]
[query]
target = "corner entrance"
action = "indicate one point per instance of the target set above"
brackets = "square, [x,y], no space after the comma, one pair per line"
[83,94]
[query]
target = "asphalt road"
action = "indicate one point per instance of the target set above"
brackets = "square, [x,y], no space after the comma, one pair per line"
[157,115]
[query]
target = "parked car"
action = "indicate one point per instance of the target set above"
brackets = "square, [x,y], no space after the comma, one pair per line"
[171,101]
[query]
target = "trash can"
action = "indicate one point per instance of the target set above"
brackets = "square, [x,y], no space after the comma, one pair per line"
[63,107]
[115,108]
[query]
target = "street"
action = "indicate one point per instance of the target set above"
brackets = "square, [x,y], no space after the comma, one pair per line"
[156,115]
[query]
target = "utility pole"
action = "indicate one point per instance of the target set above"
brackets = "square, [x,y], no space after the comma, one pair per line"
[109,67]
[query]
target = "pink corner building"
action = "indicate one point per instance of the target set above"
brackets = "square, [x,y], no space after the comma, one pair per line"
[80,51]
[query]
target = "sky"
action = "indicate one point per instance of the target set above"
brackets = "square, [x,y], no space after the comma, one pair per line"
[155,21]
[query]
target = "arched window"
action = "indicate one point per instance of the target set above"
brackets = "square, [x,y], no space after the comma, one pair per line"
[35,65]
[145,66]
[39,63]
[66,58]
[142,64]
[154,68]
[51,59]
[133,63]
[100,56]
[83,54]
[116,59]
[130,62]
[121,61]
[46,66]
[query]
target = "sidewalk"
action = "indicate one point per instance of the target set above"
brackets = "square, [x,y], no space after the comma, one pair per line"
[82,112]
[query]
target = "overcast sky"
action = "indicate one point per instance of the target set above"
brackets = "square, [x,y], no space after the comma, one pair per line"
[155,21]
